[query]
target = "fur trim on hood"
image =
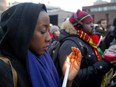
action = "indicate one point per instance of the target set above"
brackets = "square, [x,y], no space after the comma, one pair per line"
[68,27]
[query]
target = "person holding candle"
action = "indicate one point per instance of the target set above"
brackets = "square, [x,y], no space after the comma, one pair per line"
[93,65]
[25,42]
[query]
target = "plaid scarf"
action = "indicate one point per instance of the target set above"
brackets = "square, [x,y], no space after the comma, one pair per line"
[92,40]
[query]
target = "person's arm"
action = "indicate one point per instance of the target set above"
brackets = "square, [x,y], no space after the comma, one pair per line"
[108,38]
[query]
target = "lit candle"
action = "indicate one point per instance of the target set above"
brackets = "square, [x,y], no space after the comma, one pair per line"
[101,37]
[66,74]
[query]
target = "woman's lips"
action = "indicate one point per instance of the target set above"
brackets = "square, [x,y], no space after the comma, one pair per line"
[46,47]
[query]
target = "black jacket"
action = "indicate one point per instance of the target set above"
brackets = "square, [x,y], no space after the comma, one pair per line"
[18,24]
[92,70]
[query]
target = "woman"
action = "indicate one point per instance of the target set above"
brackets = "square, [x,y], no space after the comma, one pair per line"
[25,41]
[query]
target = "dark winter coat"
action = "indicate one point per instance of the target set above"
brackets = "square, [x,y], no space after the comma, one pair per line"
[92,70]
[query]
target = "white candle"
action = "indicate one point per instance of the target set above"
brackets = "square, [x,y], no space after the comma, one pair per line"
[101,37]
[66,74]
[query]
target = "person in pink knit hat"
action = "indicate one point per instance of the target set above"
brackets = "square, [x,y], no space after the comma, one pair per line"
[79,28]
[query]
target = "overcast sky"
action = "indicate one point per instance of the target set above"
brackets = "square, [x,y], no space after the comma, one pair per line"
[69,5]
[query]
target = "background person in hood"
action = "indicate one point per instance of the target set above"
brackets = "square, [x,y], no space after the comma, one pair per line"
[25,42]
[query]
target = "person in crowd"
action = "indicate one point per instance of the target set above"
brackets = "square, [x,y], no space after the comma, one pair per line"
[93,67]
[51,35]
[55,32]
[25,42]
[103,23]
[111,53]
[102,27]
[110,37]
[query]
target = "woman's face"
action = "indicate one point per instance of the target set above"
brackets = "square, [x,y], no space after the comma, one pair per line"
[88,27]
[40,40]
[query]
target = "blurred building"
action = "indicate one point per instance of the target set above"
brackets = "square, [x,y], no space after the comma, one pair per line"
[102,9]
[100,2]
[113,0]
[57,15]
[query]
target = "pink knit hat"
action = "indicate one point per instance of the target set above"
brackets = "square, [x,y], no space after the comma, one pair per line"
[80,17]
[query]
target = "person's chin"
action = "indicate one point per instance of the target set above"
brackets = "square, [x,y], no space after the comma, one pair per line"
[42,52]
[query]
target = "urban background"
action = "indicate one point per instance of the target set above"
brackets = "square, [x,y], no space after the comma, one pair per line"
[99,10]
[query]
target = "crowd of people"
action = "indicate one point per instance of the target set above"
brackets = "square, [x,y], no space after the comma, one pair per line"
[26,37]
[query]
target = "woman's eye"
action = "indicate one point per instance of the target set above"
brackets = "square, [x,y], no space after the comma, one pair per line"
[43,32]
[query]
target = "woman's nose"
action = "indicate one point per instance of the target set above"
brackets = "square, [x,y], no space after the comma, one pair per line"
[48,37]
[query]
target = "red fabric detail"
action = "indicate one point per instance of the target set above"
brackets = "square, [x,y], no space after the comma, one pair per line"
[110,55]
[71,19]
[81,14]
[81,33]
[51,35]
[97,53]
[95,38]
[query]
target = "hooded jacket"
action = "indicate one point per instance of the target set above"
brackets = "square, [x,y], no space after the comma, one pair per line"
[18,24]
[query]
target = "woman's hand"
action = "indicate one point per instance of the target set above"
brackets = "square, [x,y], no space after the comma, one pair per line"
[74,61]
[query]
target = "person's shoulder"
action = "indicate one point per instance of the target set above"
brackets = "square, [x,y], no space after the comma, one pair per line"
[5,74]
[5,71]
[3,66]
[70,42]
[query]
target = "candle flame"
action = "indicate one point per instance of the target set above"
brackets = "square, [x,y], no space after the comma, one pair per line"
[101,37]
[68,61]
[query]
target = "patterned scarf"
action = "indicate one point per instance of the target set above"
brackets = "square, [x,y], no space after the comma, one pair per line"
[91,39]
